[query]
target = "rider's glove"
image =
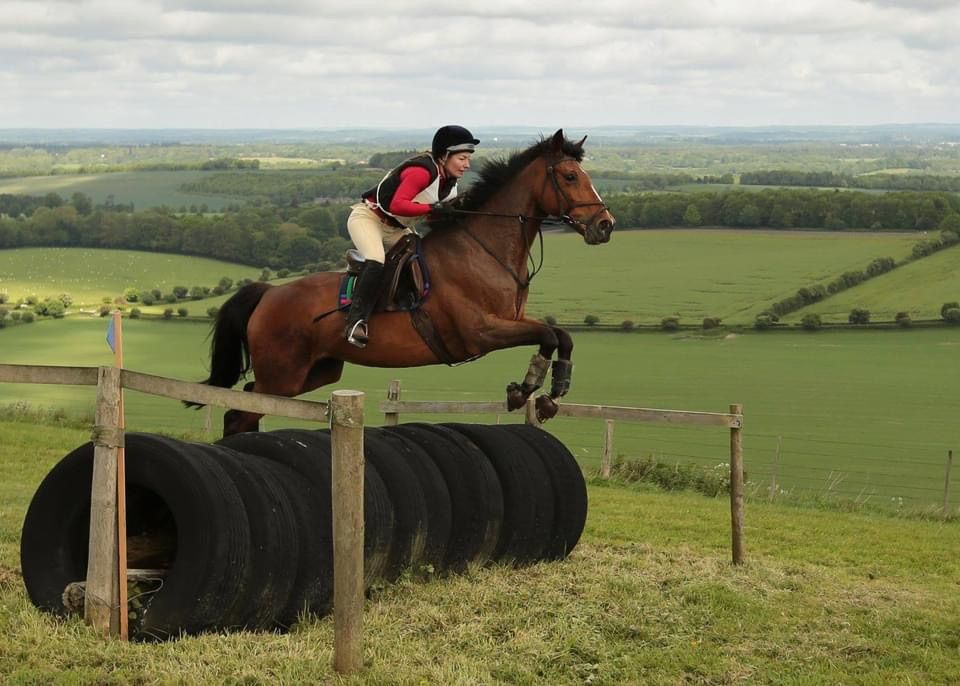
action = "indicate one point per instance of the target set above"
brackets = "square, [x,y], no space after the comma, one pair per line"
[441,211]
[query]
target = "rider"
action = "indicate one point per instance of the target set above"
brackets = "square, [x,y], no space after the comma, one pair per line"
[416,187]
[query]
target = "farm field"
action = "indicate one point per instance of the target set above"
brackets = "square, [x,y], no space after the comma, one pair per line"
[142,188]
[644,276]
[89,275]
[648,597]
[919,288]
[865,415]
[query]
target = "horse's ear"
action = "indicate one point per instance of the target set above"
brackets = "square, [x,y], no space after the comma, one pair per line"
[557,141]
[580,142]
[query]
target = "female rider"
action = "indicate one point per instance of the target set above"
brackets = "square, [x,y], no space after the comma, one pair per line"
[415,188]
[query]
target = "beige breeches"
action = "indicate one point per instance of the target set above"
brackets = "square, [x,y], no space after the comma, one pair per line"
[371,236]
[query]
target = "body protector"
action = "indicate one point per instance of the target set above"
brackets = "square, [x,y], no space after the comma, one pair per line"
[437,191]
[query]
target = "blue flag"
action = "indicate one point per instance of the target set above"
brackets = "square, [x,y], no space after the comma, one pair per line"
[112,336]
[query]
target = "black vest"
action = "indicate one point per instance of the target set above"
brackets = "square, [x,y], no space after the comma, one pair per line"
[382,194]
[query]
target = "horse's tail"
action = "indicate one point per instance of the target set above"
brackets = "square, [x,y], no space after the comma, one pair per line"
[229,350]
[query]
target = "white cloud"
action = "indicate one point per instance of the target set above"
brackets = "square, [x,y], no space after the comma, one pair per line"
[300,63]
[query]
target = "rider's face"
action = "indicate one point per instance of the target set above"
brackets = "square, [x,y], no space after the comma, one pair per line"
[457,164]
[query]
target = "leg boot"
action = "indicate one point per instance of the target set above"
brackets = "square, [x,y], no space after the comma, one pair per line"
[365,293]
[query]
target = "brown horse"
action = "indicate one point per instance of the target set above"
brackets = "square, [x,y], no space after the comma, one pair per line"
[478,265]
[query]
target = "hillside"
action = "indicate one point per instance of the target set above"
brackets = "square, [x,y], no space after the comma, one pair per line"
[919,288]
[648,597]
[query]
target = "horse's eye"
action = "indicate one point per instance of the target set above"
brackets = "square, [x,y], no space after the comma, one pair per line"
[570,176]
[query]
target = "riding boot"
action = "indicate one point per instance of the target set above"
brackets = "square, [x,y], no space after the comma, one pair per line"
[365,293]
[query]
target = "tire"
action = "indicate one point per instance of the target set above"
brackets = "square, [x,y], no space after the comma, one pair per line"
[313,462]
[174,493]
[312,589]
[409,505]
[569,489]
[436,498]
[274,544]
[475,496]
[527,492]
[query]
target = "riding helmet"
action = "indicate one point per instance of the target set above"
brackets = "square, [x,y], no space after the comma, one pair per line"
[452,138]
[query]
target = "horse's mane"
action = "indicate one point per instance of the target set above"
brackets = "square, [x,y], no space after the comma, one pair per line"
[498,172]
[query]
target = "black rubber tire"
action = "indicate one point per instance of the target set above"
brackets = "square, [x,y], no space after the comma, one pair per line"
[274,545]
[378,518]
[569,489]
[212,534]
[409,505]
[475,495]
[527,492]
[312,590]
[436,497]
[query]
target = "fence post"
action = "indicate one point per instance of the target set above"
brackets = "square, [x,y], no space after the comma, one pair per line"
[530,412]
[736,487]
[102,601]
[606,457]
[346,440]
[946,485]
[393,393]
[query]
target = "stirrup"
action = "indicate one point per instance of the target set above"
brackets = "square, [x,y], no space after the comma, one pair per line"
[358,334]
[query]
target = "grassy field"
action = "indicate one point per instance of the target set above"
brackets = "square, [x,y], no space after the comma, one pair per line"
[919,288]
[143,188]
[88,275]
[865,416]
[648,597]
[644,276]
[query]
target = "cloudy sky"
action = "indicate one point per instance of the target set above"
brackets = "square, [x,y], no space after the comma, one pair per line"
[417,63]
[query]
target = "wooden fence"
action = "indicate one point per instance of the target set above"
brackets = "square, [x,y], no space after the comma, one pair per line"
[106,568]
[393,407]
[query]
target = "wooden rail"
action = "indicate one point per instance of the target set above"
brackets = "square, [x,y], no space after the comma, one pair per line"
[393,407]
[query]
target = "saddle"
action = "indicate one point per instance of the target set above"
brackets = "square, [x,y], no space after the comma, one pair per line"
[406,283]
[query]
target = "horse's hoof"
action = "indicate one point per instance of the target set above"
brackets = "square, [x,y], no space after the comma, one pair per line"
[515,397]
[547,408]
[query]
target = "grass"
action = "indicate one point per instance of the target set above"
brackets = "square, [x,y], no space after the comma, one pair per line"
[862,416]
[644,276]
[647,597]
[919,288]
[143,188]
[89,275]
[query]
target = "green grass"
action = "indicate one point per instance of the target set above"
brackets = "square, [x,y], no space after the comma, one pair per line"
[648,597]
[88,275]
[919,288]
[644,276]
[143,188]
[864,416]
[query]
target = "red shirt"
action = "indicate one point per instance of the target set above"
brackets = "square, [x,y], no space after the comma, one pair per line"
[412,181]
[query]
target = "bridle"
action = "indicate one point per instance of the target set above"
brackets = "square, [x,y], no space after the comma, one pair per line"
[522,219]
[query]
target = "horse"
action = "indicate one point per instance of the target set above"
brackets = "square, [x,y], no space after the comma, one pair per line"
[480,276]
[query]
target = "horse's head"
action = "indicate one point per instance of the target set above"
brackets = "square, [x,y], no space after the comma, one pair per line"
[568,192]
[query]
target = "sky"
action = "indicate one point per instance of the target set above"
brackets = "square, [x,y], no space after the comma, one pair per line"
[422,63]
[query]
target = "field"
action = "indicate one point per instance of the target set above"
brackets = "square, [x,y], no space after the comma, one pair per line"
[644,276]
[919,288]
[648,597]
[89,275]
[143,188]
[860,415]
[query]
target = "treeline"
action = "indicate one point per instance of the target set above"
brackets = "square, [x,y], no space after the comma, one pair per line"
[829,179]
[785,208]
[631,182]
[287,188]
[295,238]
[216,164]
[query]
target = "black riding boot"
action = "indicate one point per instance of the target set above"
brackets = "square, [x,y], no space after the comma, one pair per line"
[365,292]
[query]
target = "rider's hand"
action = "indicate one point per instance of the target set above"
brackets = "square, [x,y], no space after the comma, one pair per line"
[441,211]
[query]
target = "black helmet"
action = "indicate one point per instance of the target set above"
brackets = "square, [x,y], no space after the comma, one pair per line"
[452,139]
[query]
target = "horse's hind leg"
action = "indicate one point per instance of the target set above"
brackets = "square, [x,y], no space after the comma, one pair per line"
[238,421]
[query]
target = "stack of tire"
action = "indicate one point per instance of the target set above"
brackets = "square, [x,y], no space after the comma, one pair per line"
[241,529]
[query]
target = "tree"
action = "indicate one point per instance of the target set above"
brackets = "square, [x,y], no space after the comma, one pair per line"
[212,312]
[591,320]
[948,306]
[550,320]
[627,325]
[711,322]
[168,313]
[671,323]
[952,316]
[859,315]
[692,217]
[182,311]
[180,292]
[903,320]
[811,322]
[135,313]
[225,282]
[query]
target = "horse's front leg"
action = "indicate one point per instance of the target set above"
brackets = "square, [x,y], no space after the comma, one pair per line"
[547,406]
[497,334]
